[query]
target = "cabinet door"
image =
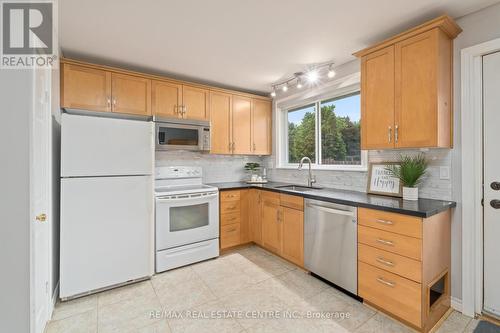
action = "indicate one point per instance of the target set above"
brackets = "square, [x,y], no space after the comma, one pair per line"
[377,99]
[244,217]
[196,103]
[271,227]
[85,88]
[166,98]
[261,127]
[220,123]
[293,235]
[131,94]
[241,125]
[416,91]
[255,216]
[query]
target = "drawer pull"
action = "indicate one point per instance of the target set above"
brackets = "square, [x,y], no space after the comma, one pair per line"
[231,230]
[385,262]
[385,242]
[384,222]
[231,208]
[387,283]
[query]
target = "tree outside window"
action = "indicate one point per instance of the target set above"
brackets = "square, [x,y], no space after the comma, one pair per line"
[334,135]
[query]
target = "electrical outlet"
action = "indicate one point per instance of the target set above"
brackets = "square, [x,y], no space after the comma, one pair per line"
[444,172]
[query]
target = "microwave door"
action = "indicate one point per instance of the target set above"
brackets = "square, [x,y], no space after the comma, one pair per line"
[177,136]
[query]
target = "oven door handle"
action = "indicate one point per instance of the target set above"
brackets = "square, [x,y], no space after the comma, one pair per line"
[182,197]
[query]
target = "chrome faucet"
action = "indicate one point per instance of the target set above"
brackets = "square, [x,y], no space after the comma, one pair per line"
[311,180]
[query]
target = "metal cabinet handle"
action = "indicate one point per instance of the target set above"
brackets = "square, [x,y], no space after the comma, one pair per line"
[384,222]
[389,134]
[387,283]
[41,217]
[385,242]
[108,101]
[396,133]
[495,204]
[184,109]
[495,186]
[231,230]
[114,101]
[385,262]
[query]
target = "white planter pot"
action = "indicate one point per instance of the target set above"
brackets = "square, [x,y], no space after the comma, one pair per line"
[410,193]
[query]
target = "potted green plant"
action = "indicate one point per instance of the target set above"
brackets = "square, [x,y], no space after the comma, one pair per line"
[410,171]
[252,168]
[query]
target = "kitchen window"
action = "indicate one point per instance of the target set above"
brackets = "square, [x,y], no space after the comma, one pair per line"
[327,131]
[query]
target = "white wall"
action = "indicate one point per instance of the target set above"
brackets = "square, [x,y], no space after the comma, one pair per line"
[477,28]
[15,105]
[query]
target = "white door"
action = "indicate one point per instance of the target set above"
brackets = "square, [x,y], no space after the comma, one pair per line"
[39,168]
[491,100]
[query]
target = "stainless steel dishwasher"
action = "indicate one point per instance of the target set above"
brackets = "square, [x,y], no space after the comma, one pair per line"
[330,243]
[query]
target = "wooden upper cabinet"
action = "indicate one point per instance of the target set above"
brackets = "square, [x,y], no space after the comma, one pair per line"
[261,127]
[377,99]
[423,90]
[410,77]
[195,103]
[220,123]
[85,88]
[241,125]
[131,94]
[166,98]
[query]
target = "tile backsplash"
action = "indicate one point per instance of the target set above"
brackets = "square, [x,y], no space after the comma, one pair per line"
[216,168]
[432,187]
[228,168]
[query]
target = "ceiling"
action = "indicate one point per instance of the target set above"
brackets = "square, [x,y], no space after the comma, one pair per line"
[237,44]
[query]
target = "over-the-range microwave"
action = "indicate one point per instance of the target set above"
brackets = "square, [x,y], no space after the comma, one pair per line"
[182,134]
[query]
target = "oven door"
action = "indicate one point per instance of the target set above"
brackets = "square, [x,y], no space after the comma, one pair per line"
[178,136]
[186,219]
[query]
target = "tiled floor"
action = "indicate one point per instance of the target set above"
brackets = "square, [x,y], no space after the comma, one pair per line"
[248,290]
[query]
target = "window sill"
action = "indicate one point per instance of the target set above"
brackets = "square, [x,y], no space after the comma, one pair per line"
[358,168]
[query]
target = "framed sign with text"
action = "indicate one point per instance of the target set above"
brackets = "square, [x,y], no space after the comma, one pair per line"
[381,181]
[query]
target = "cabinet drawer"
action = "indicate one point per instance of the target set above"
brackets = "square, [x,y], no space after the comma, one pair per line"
[229,196]
[272,198]
[229,207]
[230,218]
[230,235]
[406,267]
[394,294]
[398,223]
[388,241]
[292,201]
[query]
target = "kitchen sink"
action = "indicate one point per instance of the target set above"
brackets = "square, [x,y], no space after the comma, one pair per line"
[299,188]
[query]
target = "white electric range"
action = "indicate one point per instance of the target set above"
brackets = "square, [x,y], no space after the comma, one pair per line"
[187,217]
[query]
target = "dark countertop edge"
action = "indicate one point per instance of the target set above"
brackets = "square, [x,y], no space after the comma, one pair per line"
[421,214]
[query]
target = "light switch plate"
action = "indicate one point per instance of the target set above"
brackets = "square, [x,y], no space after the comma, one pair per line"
[444,172]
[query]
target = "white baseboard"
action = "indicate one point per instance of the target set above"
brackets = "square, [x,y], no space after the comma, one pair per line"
[456,304]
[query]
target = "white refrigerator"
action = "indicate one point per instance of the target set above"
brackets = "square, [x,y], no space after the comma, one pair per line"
[107,220]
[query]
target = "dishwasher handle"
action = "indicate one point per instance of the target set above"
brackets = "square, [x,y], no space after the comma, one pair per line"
[332,210]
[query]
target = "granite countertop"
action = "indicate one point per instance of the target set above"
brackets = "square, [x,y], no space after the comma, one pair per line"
[422,208]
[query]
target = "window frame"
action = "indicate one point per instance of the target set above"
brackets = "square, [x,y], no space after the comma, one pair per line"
[282,134]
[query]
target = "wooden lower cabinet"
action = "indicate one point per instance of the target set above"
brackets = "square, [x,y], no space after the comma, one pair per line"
[274,221]
[234,218]
[292,222]
[255,214]
[404,265]
[271,226]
